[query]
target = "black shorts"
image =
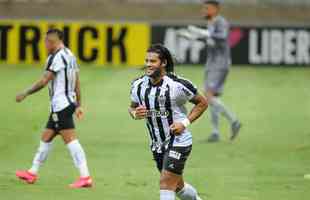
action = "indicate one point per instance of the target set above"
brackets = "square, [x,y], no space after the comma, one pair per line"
[173,159]
[62,120]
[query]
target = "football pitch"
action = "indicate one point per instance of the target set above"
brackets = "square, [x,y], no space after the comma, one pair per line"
[266,162]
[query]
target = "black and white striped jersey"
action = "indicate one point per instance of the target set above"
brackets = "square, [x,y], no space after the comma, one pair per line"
[62,88]
[165,103]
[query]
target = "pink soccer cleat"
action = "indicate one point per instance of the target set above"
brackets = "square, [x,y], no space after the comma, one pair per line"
[27,176]
[83,182]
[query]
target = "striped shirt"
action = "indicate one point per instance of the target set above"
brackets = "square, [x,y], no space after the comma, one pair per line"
[165,103]
[62,88]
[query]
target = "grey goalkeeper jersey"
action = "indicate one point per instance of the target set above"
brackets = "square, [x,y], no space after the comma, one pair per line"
[218,50]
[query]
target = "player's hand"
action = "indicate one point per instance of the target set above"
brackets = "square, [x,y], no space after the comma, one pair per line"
[141,112]
[20,97]
[79,113]
[177,128]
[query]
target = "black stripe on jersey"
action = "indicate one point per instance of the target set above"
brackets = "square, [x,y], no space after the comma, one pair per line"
[66,79]
[140,101]
[168,108]
[50,62]
[158,118]
[184,82]
[149,119]
[150,132]
[168,105]
[139,92]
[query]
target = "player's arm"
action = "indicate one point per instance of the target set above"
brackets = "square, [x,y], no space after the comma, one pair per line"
[78,90]
[79,111]
[185,33]
[201,32]
[137,111]
[201,104]
[37,86]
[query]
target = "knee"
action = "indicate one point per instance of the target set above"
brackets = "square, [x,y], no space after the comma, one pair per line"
[47,138]
[68,136]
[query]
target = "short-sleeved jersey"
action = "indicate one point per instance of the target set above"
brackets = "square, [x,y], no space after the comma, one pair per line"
[165,103]
[62,88]
[218,50]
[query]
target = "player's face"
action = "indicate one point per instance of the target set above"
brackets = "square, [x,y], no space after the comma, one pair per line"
[209,10]
[154,66]
[51,43]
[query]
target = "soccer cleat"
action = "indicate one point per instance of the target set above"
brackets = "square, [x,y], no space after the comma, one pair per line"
[235,128]
[27,176]
[214,137]
[82,183]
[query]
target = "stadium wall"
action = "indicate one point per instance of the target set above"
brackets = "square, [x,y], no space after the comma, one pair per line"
[104,43]
[256,45]
[22,41]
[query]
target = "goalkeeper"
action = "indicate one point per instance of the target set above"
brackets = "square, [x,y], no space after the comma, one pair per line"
[217,65]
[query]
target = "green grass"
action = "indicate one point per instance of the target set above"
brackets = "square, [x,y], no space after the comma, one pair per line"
[267,162]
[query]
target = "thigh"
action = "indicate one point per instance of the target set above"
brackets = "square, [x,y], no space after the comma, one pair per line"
[48,135]
[175,159]
[169,180]
[68,135]
[215,81]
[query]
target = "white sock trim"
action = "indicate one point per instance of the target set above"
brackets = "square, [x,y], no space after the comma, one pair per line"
[79,157]
[188,192]
[167,195]
[40,156]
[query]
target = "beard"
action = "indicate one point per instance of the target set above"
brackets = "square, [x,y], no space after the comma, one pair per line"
[156,74]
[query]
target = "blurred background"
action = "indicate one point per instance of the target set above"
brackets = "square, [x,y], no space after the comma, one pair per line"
[268,88]
[263,32]
[258,12]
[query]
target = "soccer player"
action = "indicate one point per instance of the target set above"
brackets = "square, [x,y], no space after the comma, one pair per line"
[217,66]
[62,75]
[159,97]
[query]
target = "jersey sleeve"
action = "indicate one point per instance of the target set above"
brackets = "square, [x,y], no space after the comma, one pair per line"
[133,92]
[186,90]
[55,64]
[75,64]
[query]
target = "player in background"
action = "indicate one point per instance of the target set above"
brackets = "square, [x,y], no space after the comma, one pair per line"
[159,97]
[218,64]
[62,75]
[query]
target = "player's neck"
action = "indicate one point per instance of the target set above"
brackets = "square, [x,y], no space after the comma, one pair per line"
[212,17]
[57,49]
[157,80]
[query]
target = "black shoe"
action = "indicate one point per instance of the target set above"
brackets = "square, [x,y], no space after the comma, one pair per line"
[235,129]
[214,137]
